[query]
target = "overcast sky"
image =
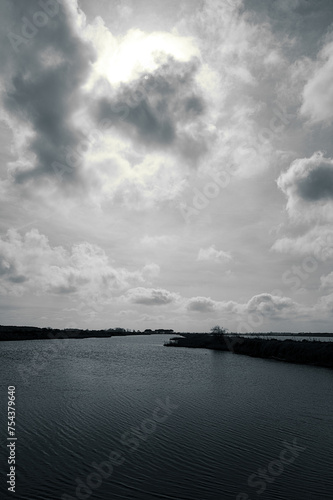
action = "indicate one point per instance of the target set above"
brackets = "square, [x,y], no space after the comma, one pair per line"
[167,164]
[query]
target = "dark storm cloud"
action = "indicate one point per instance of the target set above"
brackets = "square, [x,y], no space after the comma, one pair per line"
[194,104]
[143,120]
[44,72]
[156,109]
[308,180]
[318,184]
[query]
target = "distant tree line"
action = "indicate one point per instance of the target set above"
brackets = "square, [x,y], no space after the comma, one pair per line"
[35,333]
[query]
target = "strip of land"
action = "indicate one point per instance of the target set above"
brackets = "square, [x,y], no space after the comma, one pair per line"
[8,333]
[310,352]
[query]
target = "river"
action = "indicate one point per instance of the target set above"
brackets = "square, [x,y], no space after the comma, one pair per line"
[164,423]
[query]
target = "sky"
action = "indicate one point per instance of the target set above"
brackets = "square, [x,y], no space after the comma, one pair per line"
[167,164]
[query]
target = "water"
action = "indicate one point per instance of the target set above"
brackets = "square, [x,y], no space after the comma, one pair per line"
[229,417]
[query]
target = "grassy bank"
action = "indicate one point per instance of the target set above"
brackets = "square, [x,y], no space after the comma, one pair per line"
[310,352]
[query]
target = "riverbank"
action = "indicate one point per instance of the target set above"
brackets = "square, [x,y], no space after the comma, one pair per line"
[310,352]
[17,333]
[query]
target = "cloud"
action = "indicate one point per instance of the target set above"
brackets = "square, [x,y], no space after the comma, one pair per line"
[318,241]
[136,53]
[326,282]
[318,91]
[167,110]
[50,89]
[151,296]
[308,186]
[29,264]
[124,10]
[161,109]
[201,304]
[206,305]
[212,254]
[245,57]
[318,184]
[288,5]
[271,306]
[84,273]
[308,182]
[323,309]
[126,313]
[158,320]
[150,271]
[265,306]
[140,182]
[42,84]
[154,241]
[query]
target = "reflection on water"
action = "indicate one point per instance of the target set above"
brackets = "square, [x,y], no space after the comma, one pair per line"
[225,419]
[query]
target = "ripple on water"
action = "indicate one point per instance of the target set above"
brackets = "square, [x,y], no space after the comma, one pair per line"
[233,415]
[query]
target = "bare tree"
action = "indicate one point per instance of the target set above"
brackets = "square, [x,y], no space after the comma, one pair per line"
[218,331]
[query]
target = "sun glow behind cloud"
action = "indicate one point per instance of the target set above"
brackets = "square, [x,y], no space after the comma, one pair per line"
[122,59]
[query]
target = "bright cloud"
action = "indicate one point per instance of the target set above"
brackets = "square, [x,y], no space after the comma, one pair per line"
[123,60]
[30,264]
[212,254]
[271,306]
[318,92]
[317,242]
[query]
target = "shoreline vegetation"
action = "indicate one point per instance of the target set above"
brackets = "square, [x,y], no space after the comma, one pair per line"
[17,333]
[9,333]
[309,352]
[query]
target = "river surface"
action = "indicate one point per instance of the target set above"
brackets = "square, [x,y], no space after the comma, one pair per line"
[185,424]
